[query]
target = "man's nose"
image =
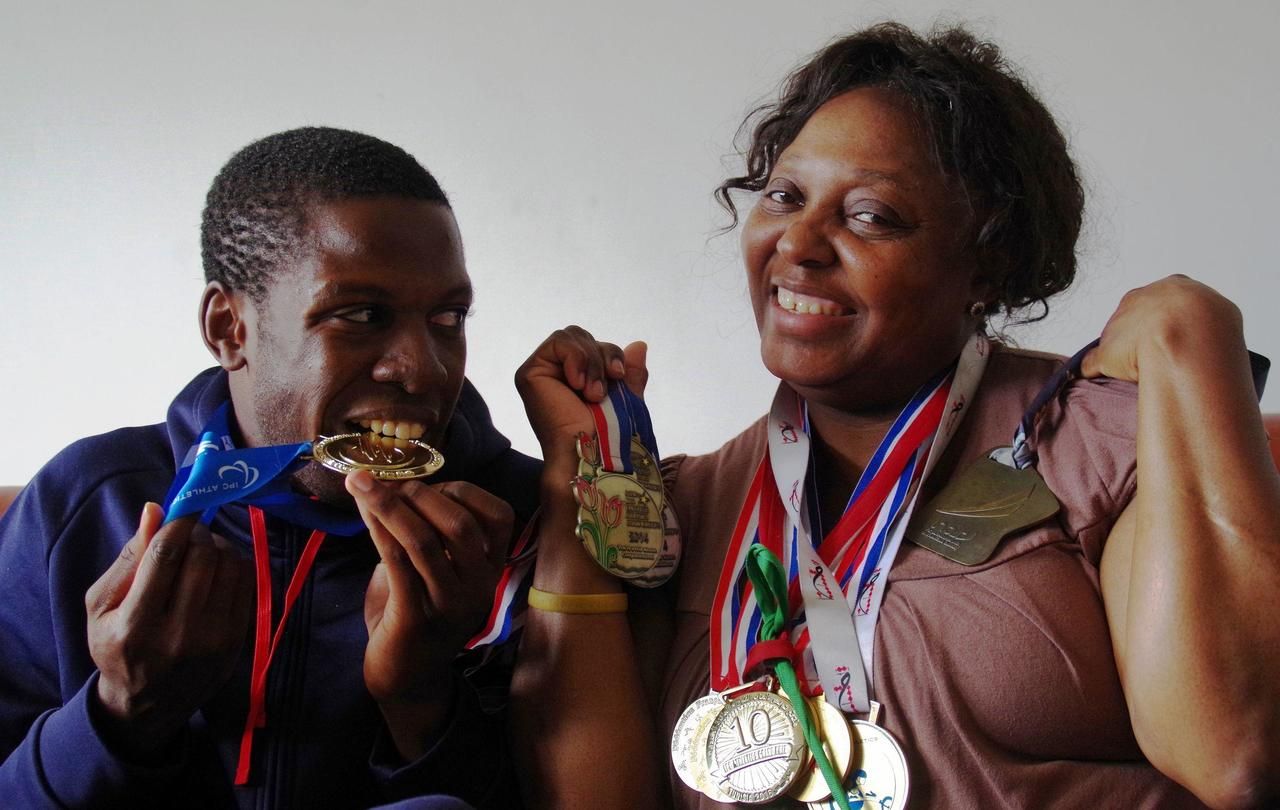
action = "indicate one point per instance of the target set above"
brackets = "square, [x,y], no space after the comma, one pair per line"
[411,361]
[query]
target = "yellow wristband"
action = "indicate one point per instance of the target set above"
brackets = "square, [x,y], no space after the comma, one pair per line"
[577,602]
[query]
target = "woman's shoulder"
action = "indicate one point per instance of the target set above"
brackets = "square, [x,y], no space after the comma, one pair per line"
[1088,408]
[737,456]
[1085,438]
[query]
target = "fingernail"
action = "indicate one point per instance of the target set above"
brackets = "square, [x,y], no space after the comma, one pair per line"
[616,366]
[361,480]
[597,389]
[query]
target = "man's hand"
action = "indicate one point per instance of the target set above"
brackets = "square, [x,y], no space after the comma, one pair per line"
[166,624]
[442,550]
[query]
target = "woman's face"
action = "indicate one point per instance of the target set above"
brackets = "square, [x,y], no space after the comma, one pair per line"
[859,259]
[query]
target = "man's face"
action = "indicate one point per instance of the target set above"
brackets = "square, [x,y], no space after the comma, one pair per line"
[365,326]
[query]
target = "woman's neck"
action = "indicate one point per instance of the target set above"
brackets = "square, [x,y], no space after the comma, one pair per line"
[842,443]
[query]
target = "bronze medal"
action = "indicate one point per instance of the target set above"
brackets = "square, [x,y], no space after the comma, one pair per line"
[879,777]
[755,749]
[980,507]
[365,451]
[837,741]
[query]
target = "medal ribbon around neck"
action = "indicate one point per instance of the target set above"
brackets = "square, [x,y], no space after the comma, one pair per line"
[511,597]
[769,579]
[265,642]
[859,549]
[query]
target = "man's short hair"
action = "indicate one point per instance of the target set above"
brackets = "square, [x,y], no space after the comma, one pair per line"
[256,209]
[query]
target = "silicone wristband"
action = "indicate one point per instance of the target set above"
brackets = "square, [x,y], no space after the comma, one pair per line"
[577,602]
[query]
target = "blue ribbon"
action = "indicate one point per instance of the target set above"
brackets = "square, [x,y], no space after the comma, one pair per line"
[215,472]
[1024,456]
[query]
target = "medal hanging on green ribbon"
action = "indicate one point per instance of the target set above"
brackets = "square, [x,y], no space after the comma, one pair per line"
[769,579]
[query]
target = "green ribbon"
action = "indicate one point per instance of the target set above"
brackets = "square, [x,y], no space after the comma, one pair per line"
[769,579]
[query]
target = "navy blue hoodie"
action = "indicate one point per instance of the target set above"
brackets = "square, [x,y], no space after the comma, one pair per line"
[324,744]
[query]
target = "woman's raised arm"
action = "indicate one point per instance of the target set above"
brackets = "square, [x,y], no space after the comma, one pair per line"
[1191,571]
[583,732]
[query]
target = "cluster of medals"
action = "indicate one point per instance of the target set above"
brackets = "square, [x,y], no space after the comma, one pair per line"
[745,745]
[625,520]
[741,743]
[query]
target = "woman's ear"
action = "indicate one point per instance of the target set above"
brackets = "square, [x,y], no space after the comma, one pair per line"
[222,324]
[988,279]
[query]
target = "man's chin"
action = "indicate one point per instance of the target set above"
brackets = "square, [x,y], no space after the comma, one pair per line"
[327,486]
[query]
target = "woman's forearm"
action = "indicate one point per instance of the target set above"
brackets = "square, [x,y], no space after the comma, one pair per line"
[583,733]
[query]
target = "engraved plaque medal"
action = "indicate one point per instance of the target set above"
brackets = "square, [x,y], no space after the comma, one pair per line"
[980,507]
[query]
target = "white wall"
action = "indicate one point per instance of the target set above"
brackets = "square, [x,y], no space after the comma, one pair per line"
[580,142]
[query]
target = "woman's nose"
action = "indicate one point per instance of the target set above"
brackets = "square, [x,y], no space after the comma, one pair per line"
[805,244]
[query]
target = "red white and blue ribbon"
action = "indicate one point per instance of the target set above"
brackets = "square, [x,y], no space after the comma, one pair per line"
[618,417]
[836,585]
[511,597]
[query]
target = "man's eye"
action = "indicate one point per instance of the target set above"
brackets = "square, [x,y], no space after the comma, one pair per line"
[451,318]
[362,315]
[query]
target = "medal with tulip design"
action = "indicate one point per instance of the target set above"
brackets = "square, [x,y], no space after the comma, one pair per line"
[619,523]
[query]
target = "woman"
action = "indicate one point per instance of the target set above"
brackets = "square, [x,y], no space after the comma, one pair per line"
[1123,652]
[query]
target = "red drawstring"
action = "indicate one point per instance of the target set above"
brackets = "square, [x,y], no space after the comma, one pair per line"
[264,644]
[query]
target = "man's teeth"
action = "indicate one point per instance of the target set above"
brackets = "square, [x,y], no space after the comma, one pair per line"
[805,305]
[392,433]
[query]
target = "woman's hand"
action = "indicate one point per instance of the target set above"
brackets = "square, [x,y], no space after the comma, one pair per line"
[1166,320]
[570,369]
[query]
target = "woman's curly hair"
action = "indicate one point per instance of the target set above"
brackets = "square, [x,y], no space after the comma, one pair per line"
[986,129]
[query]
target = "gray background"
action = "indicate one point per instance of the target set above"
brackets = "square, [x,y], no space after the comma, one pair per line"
[580,143]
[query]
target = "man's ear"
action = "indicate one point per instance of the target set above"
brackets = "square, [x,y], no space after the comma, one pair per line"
[223,325]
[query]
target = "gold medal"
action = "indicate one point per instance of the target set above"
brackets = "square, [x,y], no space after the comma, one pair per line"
[837,741]
[755,749]
[619,524]
[879,777]
[364,451]
[979,508]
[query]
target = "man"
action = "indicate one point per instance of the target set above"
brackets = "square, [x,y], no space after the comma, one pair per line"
[133,674]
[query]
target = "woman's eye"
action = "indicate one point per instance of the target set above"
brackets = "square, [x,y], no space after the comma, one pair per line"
[451,318]
[782,197]
[878,219]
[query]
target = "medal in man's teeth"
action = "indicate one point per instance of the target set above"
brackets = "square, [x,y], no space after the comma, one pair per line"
[390,461]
